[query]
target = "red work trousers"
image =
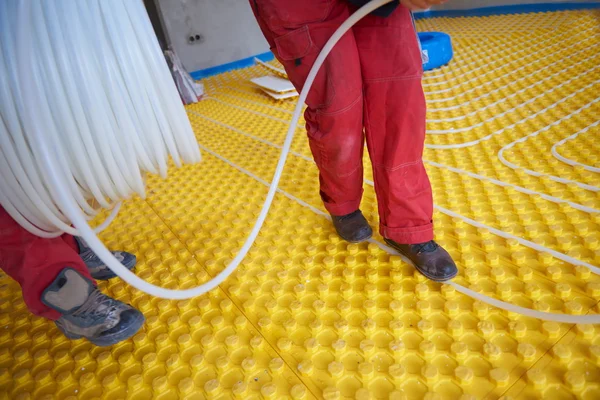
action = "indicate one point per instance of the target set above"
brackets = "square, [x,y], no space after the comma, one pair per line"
[35,262]
[371,83]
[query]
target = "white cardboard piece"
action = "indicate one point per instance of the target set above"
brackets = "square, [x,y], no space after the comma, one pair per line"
[280,96]
[274,84]
[272,68]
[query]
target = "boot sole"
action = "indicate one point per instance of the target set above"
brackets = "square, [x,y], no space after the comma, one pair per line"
[425,274]
[113,339]
[120,336]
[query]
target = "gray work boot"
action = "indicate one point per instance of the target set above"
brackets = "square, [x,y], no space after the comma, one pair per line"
[96,266]
[88,313]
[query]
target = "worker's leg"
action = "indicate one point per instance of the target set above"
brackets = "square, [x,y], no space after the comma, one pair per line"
[35,262]
[395,129]
[296,32]
[71,242]
[57,284]
[395,124]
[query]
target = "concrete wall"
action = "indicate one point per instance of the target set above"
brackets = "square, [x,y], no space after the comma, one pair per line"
[229,32]
[227,29]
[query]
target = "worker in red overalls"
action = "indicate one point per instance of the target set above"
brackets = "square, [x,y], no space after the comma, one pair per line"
[57,278]
[371,83]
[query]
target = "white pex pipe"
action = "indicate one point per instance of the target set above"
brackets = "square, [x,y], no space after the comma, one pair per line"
[49,157]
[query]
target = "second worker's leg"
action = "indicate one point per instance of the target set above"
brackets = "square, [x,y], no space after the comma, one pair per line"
[395,129]
[56,284]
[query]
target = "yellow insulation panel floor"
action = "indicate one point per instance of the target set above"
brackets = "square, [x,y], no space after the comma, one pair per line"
[513,153]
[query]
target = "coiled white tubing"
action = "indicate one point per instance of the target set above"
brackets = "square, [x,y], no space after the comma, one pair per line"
[87,107]
[119,88]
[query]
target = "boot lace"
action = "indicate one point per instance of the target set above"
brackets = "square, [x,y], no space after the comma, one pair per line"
[96,306]
[426,247]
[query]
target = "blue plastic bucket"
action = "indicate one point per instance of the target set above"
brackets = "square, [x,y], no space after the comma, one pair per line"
[436,48]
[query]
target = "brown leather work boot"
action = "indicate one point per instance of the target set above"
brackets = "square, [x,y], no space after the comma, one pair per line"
[352,227]
[429,258]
